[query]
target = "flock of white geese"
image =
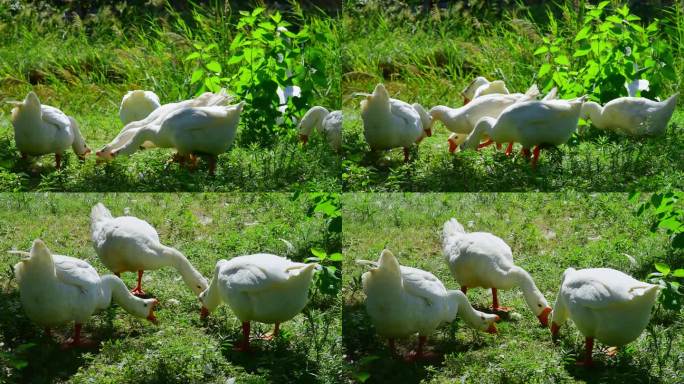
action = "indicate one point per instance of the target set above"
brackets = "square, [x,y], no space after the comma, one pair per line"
[205,125]
[55,289]
[604,304]
[491,114]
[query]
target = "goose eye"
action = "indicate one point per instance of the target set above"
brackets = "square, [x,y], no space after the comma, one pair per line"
[146,304]
[199,286]
[539,305]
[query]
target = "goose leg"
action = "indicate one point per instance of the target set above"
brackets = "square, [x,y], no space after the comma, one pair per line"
[495,303]
[535,156]
[392,346]
[525,153]
[137,291]
[509,149]
[244,343]
[77,340]
[274,334]
[419,353]
[212,172]
[406,155]
[58,161]
[464,289]
[588,348]
[485,144]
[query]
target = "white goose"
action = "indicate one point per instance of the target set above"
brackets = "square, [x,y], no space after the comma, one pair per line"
[604,304]
[127,243]
[631,116]
[402,301]
[480,259]
[191,131]
[42,129]
[494,87]
[328,124]
[461,121]
[261,287]
[390,123]
[137,105]
[55,289]
[157,117]
[530,123]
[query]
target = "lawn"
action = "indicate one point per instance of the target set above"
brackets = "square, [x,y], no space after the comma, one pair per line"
[181,348]
[547,233]
[430,58]
[83,62]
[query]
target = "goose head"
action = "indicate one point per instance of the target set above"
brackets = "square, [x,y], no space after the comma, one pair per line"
[468,92]
[144,308]
[454,141]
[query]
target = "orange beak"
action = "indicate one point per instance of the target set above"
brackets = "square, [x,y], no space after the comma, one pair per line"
[544,317]
[452,146]
[151,316]
[303,138]
[204,313]
[492,329]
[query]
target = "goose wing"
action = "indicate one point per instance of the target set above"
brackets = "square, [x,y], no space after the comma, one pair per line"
[75,272]
[422,284]
[54,116]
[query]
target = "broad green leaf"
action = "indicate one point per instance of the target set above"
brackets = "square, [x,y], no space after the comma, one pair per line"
[678,241]
[544,69]
[662,268]
[362,376]
[192,56]
[214,66]
[602,4]
[583,33]
[321,254]
[235,59]
[562,60]
[678,272]
[540,50]
[671,224]
[338,257]
[257,11]
[581,52]
[196,76]
[276,17]
[614,19]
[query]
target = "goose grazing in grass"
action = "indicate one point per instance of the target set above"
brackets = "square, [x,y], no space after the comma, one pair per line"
[191,131]
[157,117]
[530,123]
[127,243]
[461,121]
[390,123]
[42,129]
[402,301]
[328,124]
[631,116]
[604,304]
[55,289]
[137,105]
[480,259]
[480,86]
[261,287]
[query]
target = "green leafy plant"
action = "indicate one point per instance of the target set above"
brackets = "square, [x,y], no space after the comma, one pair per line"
[329,279]
[609,50]
[667,215]
[208,70]
[672,294]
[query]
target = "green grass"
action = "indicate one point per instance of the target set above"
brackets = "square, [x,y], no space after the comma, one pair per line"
[547,233]
[430,59]
[181,349]
[84,67]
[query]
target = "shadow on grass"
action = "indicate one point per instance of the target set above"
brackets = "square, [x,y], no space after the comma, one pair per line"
[594,161]
[619,369]
[286,166]
[369,354]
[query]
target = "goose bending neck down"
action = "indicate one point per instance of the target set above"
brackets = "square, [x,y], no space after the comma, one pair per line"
[530,123]
[127,243]
[328,124]
[402,301]
[604,304]
[631,116]
[480,259]
[261,287]
[55,289]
